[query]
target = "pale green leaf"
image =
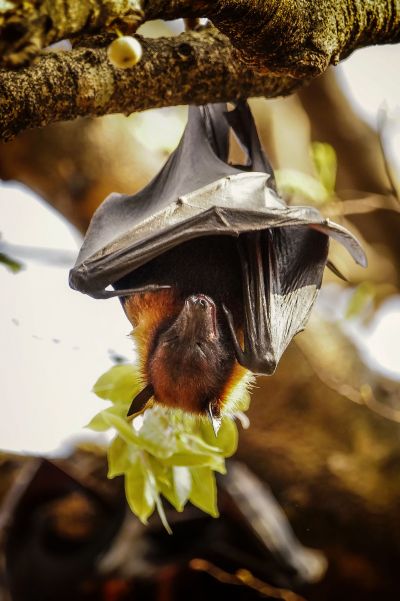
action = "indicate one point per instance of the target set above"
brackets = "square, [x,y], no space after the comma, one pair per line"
[157,499]
[182,482]
[164,479]
[164,476]
[157,434]
[291,182]
[217,463]
[98,423]
[325,162]
[119,384]
[161,513]
[196,444]
[119,457]
[163,473]
[204,490]
[124,428]
[139,491]
[226,439]
[359,300]
[155,492]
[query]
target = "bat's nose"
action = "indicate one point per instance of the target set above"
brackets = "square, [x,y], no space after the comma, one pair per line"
[200,301]
[200,316]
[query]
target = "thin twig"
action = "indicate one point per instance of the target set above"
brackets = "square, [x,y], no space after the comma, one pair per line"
[244,578]
[382,123]
[361,396]
[368,204]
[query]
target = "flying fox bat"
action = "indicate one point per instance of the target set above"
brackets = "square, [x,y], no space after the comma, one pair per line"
[215,272]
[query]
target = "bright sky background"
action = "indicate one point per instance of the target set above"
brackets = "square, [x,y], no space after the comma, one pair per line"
[56,342]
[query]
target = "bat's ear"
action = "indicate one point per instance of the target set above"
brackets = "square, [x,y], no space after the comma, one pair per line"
[140,400]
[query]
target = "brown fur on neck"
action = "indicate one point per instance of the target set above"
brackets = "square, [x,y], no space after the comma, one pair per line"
[149,313]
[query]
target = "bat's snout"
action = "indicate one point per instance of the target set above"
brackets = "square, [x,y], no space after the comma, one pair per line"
[200,312]
[200,301]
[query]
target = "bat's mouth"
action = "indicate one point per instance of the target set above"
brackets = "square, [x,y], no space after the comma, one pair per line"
[203,313]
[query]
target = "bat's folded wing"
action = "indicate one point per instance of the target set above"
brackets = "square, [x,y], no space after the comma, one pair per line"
[282,269]
[233,205]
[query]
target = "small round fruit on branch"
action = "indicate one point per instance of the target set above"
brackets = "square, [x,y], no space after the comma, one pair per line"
[124,52]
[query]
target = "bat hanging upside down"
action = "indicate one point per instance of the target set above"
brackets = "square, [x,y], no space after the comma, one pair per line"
[215,272]
[183,337]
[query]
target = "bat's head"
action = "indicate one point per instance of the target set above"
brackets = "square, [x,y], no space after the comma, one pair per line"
[196,325]
[190,363]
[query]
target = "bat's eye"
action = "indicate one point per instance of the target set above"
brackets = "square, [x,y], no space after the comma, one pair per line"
[202,303]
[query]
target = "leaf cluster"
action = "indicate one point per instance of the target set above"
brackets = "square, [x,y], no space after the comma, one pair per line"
[163,452]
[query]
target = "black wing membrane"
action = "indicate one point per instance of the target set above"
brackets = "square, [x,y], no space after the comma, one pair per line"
[282,271]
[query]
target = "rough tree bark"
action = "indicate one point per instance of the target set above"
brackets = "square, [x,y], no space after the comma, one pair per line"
[251,40]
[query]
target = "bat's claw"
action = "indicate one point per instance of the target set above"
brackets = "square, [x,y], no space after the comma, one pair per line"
[215,420]
[140,401]
[240,356]
[259,360]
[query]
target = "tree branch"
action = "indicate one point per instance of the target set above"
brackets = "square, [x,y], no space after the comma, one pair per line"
[302,38]
[29,26]
[195,67]
[253,40]
[296,37]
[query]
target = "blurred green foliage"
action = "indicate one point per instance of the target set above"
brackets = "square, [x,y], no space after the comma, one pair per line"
[316,190]
[11,264]
[366,298]
[325,163]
